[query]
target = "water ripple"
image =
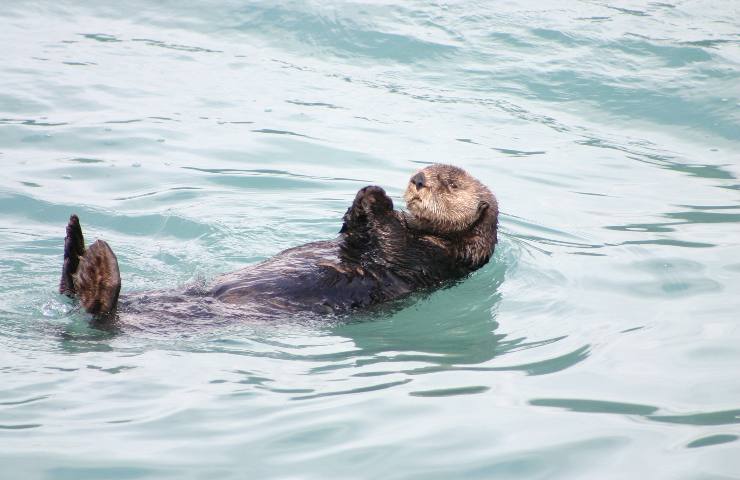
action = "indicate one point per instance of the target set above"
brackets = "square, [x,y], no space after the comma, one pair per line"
[727,417]
[198,140]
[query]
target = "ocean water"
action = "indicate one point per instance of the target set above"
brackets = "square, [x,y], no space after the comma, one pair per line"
[602,340]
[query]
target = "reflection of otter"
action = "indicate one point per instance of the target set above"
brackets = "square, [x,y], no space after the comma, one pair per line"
[380,255]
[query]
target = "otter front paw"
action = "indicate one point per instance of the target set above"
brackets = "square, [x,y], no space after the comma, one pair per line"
[372,199]
[369,202]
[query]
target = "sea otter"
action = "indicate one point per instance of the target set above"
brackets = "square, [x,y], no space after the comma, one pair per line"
[380,255]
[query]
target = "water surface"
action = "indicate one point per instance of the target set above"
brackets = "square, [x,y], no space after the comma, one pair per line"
[601,342]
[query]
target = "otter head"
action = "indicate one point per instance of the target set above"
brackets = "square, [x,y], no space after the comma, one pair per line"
[446,199]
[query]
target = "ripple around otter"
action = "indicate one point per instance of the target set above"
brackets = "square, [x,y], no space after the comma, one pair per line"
[199,140]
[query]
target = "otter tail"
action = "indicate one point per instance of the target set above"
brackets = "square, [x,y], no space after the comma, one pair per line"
[91,274]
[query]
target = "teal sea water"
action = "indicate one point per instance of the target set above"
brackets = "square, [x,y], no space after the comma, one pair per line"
[602,341]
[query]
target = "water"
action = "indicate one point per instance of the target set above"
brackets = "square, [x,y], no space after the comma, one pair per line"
[601,342]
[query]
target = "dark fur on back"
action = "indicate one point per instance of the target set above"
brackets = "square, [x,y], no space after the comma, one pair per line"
[381,254]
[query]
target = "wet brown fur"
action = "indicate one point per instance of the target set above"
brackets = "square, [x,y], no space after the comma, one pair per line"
[97,280]
[381,254]
[90,274]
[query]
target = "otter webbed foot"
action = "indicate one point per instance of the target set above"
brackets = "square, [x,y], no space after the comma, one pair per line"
[74,248]
[91,274]
[370,202]
[98,281]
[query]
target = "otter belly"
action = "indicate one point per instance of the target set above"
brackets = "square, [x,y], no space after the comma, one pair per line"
[309,277]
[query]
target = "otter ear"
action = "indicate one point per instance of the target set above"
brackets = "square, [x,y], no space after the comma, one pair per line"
[482,207]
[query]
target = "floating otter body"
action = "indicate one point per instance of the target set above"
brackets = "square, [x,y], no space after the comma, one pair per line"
[380,255]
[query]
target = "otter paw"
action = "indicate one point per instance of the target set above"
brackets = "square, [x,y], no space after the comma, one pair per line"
[74,248]
[98,280]
[373,199]
[369,202]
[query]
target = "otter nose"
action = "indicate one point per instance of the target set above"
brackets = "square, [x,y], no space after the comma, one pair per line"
[418,180]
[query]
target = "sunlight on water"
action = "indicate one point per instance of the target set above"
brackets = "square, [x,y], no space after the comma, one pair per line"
[600,342]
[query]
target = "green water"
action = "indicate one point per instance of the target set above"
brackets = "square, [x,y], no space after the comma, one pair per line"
[602,340]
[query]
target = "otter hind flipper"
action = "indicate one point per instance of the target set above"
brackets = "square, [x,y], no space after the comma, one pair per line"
[74,248]
[97,281]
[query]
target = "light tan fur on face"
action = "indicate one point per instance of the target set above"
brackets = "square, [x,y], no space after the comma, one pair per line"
[449,201]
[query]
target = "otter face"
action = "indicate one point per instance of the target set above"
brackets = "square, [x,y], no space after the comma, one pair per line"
[446,198]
